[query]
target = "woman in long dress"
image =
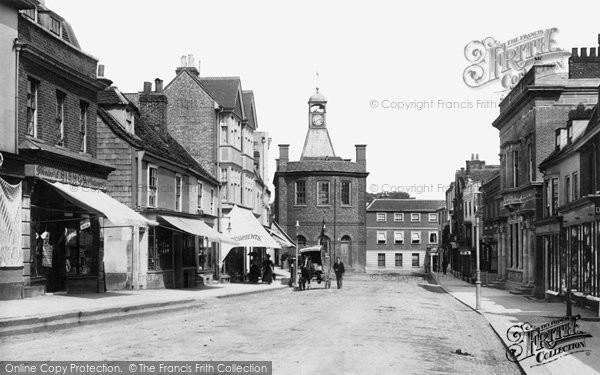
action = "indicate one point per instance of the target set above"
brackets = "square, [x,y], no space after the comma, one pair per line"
[267,270]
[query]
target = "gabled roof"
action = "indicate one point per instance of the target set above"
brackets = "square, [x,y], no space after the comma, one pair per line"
[226,91]
[114,125]
[405,205]
[249,108]
[112,96]
[593,126]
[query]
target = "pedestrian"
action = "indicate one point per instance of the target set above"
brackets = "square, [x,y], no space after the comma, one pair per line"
[267,270]
[338,268]
[444,265]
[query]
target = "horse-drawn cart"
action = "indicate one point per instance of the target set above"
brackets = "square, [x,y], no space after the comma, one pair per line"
[315,264]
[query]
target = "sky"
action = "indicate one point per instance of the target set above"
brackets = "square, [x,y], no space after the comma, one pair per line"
[370,56]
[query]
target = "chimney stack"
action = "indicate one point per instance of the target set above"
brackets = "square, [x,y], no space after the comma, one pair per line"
[584,65]
[100,71]
[153,106]
[188,64]
[361,155]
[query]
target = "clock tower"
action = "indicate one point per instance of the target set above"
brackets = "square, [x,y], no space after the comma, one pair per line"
[317,143]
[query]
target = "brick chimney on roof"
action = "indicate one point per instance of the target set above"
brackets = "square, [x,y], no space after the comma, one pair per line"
[153,106]
[584,65]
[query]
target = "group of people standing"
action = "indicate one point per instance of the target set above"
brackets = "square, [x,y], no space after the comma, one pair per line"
[265,269]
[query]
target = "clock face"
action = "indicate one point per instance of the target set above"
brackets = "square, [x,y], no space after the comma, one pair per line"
[318,120]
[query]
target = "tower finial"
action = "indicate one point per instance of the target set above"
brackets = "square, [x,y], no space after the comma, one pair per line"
[317,81]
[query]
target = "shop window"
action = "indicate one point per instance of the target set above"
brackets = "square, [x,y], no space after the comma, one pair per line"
[381,237]
[381,260]
[152,186]
[32,94]
[300,193]
[188,250]
[398,260]
[81,256]
[160,249]
[415,259]
[346,190]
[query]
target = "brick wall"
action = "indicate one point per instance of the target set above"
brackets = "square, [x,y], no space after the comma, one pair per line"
[192,120]
[118,153]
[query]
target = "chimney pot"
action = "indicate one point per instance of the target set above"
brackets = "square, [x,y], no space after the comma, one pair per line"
[472,156]
[158,85]
[583,52]
[476,156]
[191,62]
[593,52]
[284,153]
[100,71]
[147,87]
[574,52]
[183,61]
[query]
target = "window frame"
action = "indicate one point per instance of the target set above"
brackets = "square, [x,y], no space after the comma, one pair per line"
[61,97]
[398,256]
[199,195]
[398,233]
[178,192]
[412,217]
[384,215]
[575,184]
[152,191]
[296,193]
[380,260]
[398,216]
[413,260]
[435,217]
[411,238]
[319,185]
[33,86]
[52,24]
[349,193]
[83,126]
[436,237]
[384,233]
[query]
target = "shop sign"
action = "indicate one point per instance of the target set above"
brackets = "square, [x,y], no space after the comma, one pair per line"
[67,177]
[516,199]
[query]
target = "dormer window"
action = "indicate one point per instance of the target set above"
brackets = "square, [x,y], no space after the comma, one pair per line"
[569,133]
[55,26]
[30,13]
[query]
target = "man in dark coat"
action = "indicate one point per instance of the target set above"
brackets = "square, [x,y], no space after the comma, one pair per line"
[338,268]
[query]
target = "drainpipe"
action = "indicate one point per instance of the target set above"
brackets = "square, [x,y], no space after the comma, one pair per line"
[18,46]
[135,246]
[218,110]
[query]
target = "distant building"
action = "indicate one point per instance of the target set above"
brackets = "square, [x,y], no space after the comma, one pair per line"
[399,233]
[323,193]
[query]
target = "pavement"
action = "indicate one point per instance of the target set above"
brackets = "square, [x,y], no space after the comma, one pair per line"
[61,310]
[504,310]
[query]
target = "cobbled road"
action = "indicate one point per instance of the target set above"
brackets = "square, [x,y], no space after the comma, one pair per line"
[376,324]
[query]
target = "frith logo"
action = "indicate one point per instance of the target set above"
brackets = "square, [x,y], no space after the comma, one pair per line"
[547,342]
[507,62]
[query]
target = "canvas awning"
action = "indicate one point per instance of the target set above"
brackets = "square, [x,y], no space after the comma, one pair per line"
[198,228]
[281,240]
[244,227]
[103,204]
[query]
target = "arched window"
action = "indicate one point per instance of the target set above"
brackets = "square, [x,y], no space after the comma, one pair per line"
[301,241]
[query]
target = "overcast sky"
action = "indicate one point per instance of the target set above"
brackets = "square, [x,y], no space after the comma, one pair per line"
[364,51]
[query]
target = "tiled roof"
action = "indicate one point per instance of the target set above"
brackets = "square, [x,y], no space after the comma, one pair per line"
[111,96]
[134,98]
[225,91]
[248,97]
[162,144]
[484,175]
[118,129]
[405,205]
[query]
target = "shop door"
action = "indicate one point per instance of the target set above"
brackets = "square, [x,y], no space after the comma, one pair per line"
[56,275]
[345,251]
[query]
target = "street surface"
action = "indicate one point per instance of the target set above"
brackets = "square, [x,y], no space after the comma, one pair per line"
[400,325]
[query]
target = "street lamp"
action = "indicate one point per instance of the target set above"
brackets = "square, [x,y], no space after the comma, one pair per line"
[296,261]
[478,214]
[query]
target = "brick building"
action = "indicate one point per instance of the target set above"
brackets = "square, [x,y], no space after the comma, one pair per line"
[55,172]
[215,121]
[569,232]
[157,177]
[400,232]
[529,116]
[323,193]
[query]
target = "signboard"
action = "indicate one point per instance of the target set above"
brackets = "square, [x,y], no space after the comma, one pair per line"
[66,177]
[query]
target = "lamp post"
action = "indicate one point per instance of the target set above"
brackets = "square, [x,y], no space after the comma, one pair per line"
[478,214]
[296,259]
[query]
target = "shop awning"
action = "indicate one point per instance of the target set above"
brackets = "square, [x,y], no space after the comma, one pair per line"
[102,203]
[280,235]
[243,227]
[198,228]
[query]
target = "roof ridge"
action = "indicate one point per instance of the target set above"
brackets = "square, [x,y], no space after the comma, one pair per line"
[216,78]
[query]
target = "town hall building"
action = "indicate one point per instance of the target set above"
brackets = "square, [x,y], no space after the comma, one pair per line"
[321,199]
